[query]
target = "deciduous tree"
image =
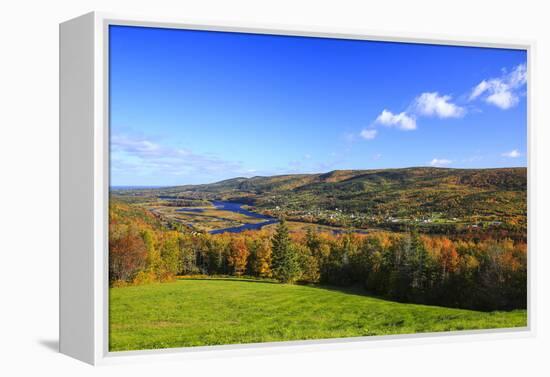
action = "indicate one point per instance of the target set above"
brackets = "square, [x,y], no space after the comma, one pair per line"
[238,255]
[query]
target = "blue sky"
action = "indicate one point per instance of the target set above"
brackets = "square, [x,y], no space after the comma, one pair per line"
[197,107]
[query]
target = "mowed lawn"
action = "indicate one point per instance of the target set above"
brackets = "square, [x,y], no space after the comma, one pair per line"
[225,311]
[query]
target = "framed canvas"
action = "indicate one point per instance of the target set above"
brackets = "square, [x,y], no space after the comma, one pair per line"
[229,189]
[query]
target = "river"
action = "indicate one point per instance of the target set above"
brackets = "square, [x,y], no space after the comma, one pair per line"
[237,208]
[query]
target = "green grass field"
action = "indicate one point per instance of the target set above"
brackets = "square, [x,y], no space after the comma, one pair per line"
[225,311]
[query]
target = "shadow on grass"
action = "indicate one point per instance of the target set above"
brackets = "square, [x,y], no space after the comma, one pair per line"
[356,290]
[241,280]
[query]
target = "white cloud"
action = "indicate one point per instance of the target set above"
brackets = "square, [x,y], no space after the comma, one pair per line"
[139,156]
[518,76]
[502,91]
[403,121]
[503,99]
[368,134]
[512,154]
[440,162]
[433,104]
[426,104]
[479,90]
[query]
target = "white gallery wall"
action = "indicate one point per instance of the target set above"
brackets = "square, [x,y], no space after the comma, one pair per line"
[29,183]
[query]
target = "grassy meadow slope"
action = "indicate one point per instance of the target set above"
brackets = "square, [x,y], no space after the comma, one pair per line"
[224,311]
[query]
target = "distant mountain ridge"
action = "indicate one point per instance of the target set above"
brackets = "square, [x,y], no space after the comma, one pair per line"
[515,177]
[398,192]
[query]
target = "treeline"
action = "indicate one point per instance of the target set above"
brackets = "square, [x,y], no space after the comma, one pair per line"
[481,232]
[484,275]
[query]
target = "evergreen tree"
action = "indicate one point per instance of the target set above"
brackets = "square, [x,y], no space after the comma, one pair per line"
[313,242]
[285,267]
[419,264]
[400,271]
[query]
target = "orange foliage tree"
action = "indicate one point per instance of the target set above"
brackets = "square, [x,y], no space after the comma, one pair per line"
[238,255]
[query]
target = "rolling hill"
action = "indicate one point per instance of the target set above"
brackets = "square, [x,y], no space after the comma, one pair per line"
[406,192]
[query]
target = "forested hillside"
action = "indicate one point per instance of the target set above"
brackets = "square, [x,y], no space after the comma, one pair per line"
[487,275]
[440,200]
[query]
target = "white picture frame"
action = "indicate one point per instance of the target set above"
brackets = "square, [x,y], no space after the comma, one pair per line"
[84,177]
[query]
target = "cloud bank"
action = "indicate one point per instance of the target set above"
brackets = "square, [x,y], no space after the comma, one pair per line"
[140,156]
[502,91]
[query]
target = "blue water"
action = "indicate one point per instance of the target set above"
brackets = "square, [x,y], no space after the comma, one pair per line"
[237,208]
[195,210]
